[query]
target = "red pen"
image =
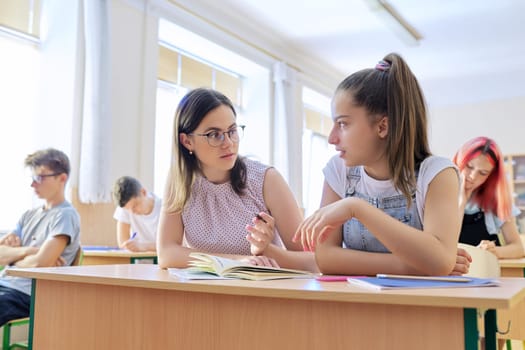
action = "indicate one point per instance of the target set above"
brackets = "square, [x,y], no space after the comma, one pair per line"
[335,278]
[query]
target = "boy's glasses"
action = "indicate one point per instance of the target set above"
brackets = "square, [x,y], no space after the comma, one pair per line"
[39,178]
[216,138]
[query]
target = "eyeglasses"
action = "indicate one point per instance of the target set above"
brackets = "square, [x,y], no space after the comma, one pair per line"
[216,138]
[39,178]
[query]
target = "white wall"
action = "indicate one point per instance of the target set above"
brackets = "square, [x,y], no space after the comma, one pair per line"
[502,120]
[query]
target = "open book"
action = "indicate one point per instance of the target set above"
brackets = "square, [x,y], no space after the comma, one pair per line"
[206,266]
[382,281]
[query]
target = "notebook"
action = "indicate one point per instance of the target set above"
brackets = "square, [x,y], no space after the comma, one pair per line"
[382,282]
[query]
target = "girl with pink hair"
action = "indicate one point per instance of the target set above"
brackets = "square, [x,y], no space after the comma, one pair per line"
[485,201]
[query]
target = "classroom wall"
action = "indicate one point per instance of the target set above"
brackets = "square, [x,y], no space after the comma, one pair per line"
[502,119]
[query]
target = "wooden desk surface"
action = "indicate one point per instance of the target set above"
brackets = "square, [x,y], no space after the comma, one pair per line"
[511,292]
[118,253]
[515,263]
[115,256]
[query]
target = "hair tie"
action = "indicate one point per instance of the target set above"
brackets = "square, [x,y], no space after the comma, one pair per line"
[383,66]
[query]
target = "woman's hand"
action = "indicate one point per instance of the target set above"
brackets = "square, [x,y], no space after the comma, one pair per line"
[261,233]
[463,260]
[60,262]
[314,229]
[260,260]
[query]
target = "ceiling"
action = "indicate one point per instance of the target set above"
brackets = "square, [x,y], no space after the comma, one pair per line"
[471,51]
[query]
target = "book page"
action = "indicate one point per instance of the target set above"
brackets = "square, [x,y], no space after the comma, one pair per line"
[236,269]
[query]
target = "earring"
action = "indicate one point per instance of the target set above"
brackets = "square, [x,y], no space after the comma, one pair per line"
[191,153]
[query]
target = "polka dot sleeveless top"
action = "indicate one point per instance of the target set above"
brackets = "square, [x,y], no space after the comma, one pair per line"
[215,217]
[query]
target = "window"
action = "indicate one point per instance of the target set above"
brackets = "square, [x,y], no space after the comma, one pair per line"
[19,69]
[316,150]
[168,97]
[21,16]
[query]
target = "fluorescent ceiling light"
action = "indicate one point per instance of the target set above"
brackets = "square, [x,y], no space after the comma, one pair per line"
[395,21]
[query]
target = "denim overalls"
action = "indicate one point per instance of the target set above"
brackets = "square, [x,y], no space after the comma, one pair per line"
[356,236]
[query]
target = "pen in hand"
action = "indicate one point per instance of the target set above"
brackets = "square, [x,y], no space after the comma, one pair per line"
[133,235]
[261,218]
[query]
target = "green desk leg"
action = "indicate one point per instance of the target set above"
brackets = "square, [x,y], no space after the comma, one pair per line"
[137,260]
[491,328]
[31,314]
[470,319]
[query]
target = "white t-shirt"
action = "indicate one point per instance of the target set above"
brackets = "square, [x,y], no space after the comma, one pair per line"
[144,225]
[335,173]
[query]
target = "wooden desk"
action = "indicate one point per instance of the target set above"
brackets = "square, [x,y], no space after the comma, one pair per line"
[110,257]
[143,307]
[512,267]
[516,316]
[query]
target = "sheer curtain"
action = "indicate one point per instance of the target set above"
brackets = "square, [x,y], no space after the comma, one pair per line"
[94,184]
[288,127]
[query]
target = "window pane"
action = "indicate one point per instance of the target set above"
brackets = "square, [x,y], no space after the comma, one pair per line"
[168,98]
[229,85]
[168,65]
[21,15]
[19,69]
[313,120]
[195,74]
[316,150]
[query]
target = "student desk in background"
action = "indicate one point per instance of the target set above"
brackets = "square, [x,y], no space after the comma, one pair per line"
[104,255]
[144,307]
[516,316]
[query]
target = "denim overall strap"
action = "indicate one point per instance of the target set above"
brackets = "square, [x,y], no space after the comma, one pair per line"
[355,235]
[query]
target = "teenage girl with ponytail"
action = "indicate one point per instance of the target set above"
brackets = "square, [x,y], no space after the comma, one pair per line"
[388,204]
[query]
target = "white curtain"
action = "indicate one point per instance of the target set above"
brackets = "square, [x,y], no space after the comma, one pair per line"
[95,145]
[288,127]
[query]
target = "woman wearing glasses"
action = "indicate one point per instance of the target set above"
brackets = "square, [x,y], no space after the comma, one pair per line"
[220,203]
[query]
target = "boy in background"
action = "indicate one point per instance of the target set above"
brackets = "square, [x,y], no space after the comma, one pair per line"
[48,235]
[137,215]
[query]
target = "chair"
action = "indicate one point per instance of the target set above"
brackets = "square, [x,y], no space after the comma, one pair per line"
[6,343]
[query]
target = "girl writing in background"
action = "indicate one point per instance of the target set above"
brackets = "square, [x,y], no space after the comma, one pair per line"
[220,203]
[388,205]
[485,202]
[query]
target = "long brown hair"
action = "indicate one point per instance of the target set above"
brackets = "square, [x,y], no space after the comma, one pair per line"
[391,89]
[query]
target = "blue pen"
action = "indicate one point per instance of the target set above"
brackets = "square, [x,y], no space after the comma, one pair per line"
[133,235]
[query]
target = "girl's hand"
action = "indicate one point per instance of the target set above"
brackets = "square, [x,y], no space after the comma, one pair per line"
[261,233]
[314,229]
[488,245]
[261,260]
[463,260]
